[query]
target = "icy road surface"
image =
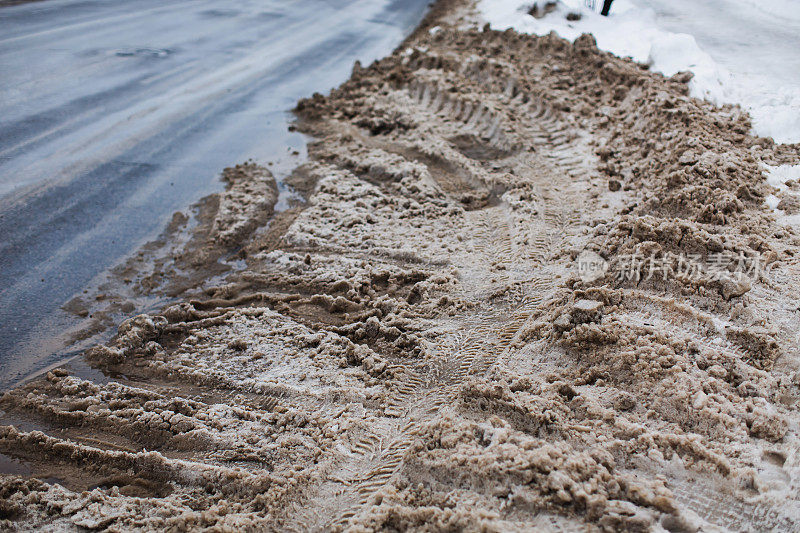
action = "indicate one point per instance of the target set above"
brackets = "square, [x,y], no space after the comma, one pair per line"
[114,114]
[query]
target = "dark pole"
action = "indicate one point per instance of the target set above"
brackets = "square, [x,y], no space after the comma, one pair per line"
[606,7]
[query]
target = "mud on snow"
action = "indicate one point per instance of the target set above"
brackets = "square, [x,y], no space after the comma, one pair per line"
[416,347]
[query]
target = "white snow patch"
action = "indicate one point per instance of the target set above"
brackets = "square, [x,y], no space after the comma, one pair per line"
[750,53]
[772,202]
[778,176]
[786,9]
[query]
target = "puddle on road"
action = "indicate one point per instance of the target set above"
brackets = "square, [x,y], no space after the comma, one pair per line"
[12,466]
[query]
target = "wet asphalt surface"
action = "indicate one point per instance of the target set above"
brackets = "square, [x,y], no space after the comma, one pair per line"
[115,114]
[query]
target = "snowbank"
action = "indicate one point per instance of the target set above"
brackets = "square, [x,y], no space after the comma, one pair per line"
[731,69]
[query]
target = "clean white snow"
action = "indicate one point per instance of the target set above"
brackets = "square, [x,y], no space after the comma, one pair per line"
[778,176]
[741,51]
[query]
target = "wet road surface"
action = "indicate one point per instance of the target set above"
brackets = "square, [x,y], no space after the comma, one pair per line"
[114,114]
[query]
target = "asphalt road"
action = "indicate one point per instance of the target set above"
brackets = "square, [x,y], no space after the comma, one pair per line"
[114,114]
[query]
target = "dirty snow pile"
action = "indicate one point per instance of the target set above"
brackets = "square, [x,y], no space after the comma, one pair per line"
[743,52]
